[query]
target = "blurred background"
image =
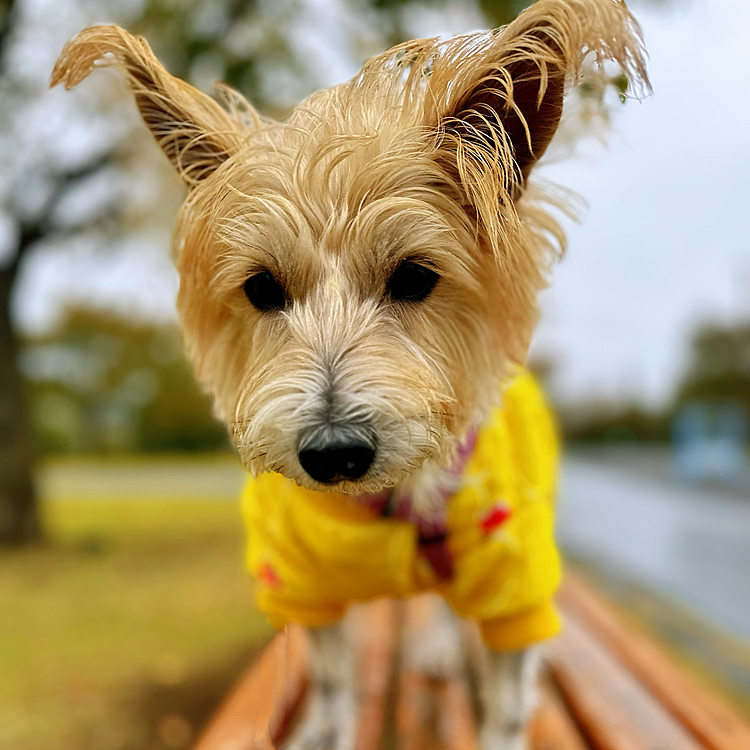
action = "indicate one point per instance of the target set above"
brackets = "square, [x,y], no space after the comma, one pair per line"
[125,613]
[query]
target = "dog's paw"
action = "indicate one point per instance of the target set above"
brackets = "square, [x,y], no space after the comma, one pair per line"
[328,725]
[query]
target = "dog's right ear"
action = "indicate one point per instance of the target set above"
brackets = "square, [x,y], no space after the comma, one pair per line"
[192,129]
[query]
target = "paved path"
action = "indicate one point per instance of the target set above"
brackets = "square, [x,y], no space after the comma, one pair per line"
[181,478]
[690,544]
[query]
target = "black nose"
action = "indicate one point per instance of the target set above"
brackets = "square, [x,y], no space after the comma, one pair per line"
[337,461]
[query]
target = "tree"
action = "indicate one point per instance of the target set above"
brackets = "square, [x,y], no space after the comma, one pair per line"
[720,368]
[19,521]
[18,518]
[32,192]
[104,383]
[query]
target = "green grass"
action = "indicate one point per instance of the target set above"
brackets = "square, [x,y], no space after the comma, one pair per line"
[126,628]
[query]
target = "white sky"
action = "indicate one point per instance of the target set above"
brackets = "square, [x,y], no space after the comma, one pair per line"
[663,245]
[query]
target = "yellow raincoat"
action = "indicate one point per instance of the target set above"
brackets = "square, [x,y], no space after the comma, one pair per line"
[312,553]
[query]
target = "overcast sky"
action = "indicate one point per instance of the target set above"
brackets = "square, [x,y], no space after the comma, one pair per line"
[663,246]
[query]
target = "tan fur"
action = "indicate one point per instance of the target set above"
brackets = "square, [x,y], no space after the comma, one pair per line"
[424,155]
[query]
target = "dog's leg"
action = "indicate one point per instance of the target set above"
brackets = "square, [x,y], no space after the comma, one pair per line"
[330,719]
[508,698]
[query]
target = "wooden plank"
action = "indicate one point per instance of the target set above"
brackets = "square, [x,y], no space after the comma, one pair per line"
[431,713]
[255,713]
[374,629]
[258,711]
[617,691]
[552,728]
[612,708]
[710,720]
[434,713]
[416,713]
[457,722]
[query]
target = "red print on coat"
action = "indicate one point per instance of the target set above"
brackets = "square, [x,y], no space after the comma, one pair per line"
[494,517]
[268,575]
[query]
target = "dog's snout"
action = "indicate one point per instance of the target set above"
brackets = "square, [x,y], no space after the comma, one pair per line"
[338,461]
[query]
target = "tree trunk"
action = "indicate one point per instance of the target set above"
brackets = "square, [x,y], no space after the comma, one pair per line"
[19,519]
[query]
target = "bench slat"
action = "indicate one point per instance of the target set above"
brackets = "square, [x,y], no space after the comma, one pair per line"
[431,713]
[552,728]
[416,713]
[706,716]
[457,725]
[375,628]
[614,711]
[605,688]
[256,711]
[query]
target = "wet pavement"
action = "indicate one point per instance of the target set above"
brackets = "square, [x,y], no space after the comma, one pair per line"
[689,544]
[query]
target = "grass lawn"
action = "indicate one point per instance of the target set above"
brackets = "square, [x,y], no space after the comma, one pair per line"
[124,630]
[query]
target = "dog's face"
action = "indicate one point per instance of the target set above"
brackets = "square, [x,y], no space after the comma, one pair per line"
[357,281]
[342,309]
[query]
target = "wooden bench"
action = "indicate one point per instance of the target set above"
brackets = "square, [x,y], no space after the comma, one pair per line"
[604,687]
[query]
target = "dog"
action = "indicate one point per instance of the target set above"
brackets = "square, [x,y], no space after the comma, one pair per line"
[358,289]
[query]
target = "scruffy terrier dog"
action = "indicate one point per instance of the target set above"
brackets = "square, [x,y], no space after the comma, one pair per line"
[358,289]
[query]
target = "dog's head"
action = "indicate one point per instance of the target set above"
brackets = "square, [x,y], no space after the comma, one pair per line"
[357,280]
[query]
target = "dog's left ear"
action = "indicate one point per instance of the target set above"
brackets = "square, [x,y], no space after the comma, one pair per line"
[509,115]
[192,129]
[495,101]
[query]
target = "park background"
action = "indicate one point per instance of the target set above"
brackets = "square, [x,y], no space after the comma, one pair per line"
[124,610]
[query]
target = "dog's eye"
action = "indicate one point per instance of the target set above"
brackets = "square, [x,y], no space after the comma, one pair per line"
[412,281]
[264,292]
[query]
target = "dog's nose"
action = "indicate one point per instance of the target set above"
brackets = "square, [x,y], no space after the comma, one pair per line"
[332,463]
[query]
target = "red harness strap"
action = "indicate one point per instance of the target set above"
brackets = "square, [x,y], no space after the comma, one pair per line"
[432,531]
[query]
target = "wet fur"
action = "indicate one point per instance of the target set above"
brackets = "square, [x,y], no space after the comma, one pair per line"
[428,155]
